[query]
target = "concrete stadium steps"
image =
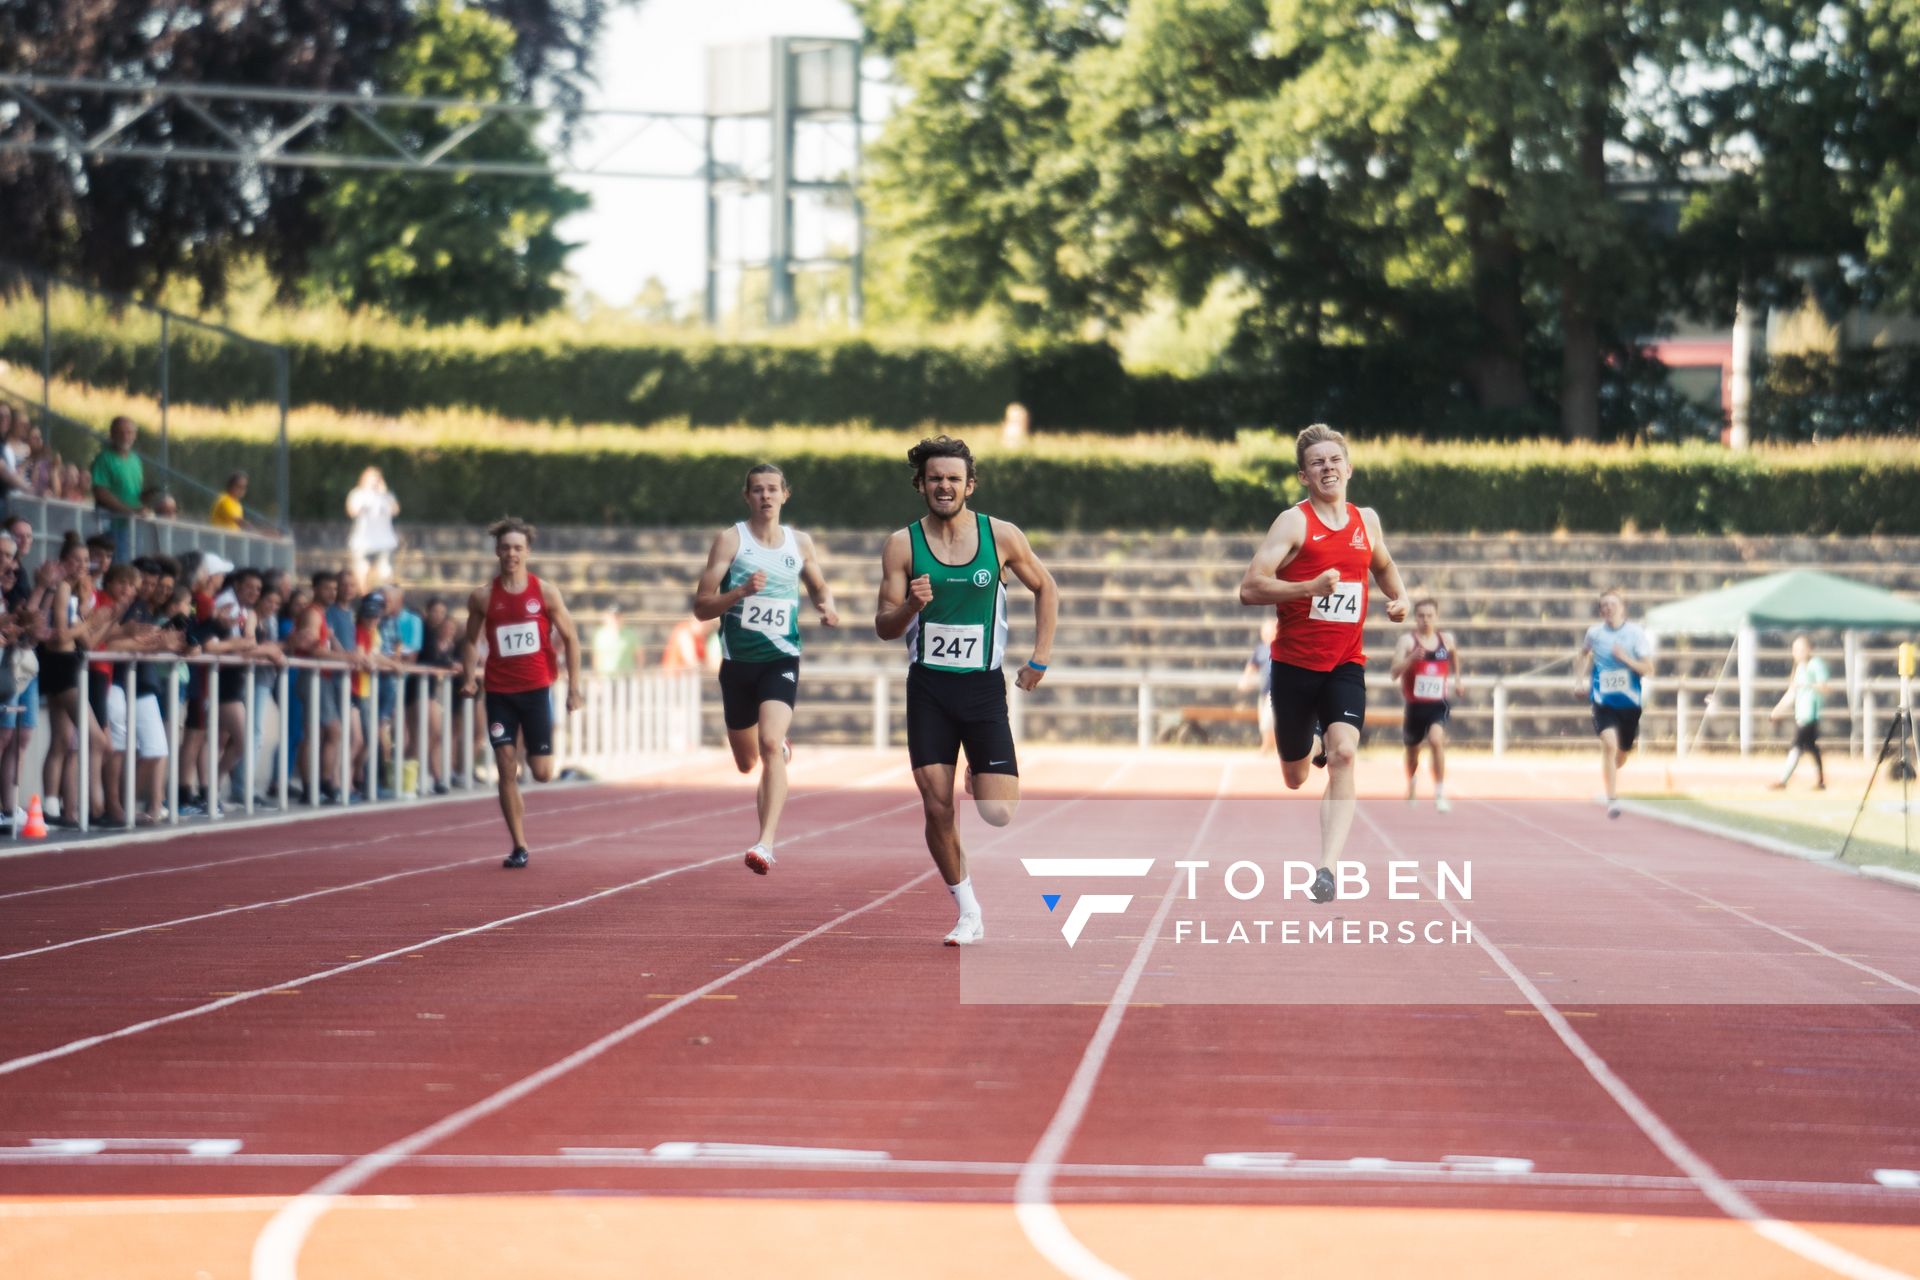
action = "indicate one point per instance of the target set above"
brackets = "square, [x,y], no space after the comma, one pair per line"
[1168,602]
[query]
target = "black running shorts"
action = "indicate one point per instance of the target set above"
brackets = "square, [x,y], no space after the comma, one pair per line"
[1418,719]
[1624,721]
[529,714]
[948,710]
[745,685]
[1806,736]
[1303,698]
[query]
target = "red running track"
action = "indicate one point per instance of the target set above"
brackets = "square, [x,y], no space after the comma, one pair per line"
[533,1073]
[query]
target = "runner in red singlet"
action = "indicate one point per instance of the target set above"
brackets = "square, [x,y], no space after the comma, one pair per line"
[519,617]
[1313,568]
[1427,665]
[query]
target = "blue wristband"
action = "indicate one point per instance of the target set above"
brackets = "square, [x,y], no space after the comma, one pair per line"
[1037,666]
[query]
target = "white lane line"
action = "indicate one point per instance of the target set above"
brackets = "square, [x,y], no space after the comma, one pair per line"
[1725,1195]
[250,906]
[490,820]
[644,1158]
[303,813]
[213,1006]
[49,1207]
[276,1252]
[1032,1192]
[358,843]
[1738,912]
[361,884]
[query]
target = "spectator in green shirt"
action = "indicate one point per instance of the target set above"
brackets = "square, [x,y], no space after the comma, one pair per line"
[119,480]
[1804,696]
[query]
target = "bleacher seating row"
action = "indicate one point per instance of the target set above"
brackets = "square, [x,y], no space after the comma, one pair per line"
[1167,603]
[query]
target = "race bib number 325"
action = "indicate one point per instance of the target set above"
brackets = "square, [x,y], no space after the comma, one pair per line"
[1618,680]
[516,638]
[1342,604]
[953,646]
[768,615]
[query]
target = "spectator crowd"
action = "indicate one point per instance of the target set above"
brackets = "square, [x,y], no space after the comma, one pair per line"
[72,625]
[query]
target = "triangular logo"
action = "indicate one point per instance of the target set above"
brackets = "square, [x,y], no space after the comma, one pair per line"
[1051,899]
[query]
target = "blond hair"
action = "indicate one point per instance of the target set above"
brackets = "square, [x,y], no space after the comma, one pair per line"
[1318,433]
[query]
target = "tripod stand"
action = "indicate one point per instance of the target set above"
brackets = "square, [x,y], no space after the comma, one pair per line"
[1898,746]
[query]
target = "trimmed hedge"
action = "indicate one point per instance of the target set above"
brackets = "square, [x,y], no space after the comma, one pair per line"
[1074,386]
[1418,489]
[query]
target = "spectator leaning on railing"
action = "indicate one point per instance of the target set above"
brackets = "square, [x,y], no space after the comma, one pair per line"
[150,630]
[229,509]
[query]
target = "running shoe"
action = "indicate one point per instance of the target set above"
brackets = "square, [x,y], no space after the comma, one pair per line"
[1323,886]
[759,859]
[1442,805]
[518,858]
[786,751]
[1613,808]
[969,929]
[1319,751]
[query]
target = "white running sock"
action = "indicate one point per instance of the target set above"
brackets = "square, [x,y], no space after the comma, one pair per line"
[963,897]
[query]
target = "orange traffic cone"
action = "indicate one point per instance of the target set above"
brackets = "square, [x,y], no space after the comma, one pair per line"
[36,828]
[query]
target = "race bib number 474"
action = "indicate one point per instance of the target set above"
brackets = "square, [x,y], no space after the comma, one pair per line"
[1342,604]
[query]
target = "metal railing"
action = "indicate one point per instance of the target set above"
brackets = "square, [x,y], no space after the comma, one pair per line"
[1151,717]
[255,372]
[53,517]
[406,756]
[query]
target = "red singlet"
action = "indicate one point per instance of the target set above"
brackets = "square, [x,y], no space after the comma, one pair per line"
[1323,632]
[519,640]
[1425,679]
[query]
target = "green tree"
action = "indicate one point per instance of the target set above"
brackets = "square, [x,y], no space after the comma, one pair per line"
[466,247]
[133,225]
[1410,174]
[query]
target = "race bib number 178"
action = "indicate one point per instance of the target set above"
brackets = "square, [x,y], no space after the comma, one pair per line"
[517,638]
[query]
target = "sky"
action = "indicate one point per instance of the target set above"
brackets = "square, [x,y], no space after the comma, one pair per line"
[653,57]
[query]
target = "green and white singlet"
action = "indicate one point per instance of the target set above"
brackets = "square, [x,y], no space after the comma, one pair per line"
[964,627]
[764,627]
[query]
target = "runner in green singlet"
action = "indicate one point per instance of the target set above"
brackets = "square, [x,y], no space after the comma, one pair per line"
[764,564]
[942,589]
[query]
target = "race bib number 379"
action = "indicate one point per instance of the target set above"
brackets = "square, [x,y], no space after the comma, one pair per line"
[1342,604]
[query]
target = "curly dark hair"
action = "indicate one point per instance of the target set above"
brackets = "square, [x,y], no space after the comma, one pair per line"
[510,524]
[938,447]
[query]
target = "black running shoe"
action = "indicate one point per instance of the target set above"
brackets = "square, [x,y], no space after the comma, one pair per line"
[1319,748]
[518,858]
[1323,887]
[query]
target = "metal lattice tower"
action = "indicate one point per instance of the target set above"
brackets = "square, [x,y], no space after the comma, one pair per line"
[782,127]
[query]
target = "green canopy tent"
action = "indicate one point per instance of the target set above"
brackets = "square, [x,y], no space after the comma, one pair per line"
[1798,600]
